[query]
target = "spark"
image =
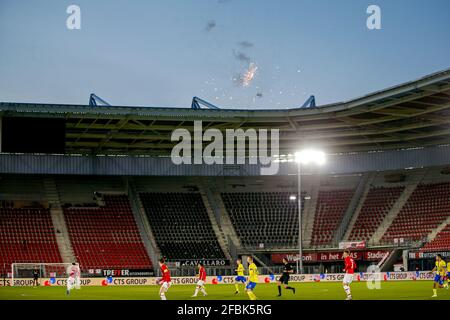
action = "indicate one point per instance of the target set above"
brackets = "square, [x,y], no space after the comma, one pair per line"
[249,75]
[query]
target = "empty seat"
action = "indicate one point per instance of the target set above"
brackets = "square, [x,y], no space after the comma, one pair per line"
[427,207]
[106,237]
[377,205]
[27,235]
[330,209]
[440,242]
[181,226]
[268,218]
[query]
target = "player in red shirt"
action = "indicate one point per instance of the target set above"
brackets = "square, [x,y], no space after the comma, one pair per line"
[165,281]
[201,280]
[349,269]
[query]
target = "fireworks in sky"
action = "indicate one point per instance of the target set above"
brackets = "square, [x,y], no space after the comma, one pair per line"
[248,76]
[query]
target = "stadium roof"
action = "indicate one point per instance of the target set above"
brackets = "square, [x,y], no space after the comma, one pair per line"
[413,114]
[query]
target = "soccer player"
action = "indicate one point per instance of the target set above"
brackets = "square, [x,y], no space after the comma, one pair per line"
[448,275]
[165,280]
[284,279]
[74,277]
[240,275]
[349,269]
[36,277]
[201,281]
[441,270]
[252,278]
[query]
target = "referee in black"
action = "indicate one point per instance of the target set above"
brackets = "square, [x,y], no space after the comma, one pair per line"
[284,279]
[36,275]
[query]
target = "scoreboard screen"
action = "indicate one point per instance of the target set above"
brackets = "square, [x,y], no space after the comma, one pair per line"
[32,135]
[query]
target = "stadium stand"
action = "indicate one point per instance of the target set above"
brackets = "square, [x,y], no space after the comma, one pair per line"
[106,236]
[427,207]
[377,204]
[268,218]
[26,235]
[441,242]
[181,225]
[331,206]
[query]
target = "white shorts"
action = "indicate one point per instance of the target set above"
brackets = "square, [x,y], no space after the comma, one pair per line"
[73,282]
[166,285]
[200,283]
[348,278]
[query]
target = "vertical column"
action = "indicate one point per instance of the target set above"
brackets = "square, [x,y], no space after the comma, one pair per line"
[1,129]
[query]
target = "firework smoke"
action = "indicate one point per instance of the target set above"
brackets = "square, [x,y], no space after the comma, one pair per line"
[211,24]
[246,44]
[241,56]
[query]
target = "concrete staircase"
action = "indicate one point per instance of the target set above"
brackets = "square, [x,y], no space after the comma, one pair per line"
[352,208]
[360,205]
[439,228]
[392,214]
[59,223]
[309,211]
[214,213]
[387,264]
[142,222]
[51,193]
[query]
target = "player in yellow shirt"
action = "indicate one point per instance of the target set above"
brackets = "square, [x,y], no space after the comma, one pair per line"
[441,270]
[240,275]
[448,275]
[252,278]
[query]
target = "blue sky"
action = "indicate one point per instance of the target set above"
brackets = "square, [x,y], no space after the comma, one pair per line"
[159,53]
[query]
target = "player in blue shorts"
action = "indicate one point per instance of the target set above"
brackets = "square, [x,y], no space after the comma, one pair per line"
[441,270]
[448,276]
[252,278]
[240,278]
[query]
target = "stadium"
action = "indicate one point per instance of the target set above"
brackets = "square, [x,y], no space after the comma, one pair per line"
[96,185]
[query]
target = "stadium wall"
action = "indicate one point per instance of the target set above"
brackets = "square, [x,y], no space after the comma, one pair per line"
[163,166]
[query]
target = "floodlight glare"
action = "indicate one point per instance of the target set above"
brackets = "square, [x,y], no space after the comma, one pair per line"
[304,157]
[310,156]
[292,198]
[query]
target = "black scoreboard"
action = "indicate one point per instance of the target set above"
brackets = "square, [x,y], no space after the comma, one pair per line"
[32,135]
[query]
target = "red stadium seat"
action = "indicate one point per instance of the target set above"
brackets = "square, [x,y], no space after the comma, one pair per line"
[107,237]
[27,235]
[427,207]
[377,205]
[331,207]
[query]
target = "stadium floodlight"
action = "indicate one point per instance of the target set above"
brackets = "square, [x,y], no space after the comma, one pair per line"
[310,156]
[293,197]
[306,156]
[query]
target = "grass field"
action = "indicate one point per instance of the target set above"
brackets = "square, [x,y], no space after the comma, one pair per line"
[401,290]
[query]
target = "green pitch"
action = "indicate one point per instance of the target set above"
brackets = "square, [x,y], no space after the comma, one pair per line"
[402,290]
